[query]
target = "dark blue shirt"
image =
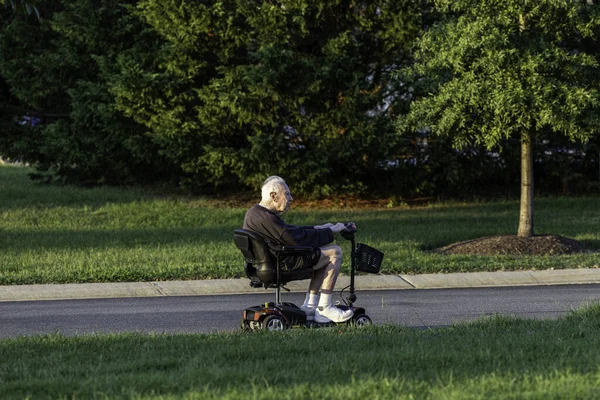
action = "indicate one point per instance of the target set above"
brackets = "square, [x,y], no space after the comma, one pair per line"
[276,232]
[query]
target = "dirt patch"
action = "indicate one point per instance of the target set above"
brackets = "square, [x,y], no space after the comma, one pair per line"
[513,245]
[248,199]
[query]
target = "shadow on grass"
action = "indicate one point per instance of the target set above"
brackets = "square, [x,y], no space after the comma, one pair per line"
[26,240]
[592,245]
[427,232]
[19,192]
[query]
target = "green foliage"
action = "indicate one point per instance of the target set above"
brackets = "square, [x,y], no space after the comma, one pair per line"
[36,74]
[494,70]
[22,6]
[211,95]
[58,70]
[240,89]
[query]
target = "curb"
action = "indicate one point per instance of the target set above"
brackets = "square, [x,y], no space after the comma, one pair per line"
[505,278]
[241,286]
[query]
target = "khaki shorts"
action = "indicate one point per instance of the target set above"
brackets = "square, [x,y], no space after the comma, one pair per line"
[323,259]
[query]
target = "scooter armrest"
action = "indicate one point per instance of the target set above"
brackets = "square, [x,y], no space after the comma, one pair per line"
[295,250]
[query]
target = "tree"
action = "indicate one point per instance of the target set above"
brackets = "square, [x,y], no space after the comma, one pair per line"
[217,93]
[20,35]
[243,89]
[22,6]
[57,70]
[498,69]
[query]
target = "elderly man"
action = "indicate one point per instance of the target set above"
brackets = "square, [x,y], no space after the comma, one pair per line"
[326,260]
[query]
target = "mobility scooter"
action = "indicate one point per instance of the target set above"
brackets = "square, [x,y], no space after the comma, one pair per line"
[264,270]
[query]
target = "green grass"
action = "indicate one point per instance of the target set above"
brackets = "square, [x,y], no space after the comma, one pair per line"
[60,234]
[497,357]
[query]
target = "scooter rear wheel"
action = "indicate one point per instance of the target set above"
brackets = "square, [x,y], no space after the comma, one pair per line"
[244,325]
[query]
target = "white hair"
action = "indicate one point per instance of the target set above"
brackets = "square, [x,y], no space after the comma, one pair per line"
[271,184]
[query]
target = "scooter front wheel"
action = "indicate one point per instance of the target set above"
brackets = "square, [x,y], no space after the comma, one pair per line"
[361,320]
[273,323]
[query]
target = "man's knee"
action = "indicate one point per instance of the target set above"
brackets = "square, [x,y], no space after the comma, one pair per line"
[330,255]
[334,253]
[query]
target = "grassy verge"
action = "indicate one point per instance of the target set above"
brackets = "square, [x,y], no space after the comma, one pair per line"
[493,358]
[54,234]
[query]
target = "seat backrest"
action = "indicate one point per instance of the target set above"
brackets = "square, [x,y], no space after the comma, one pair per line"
[254,248]
[256,252]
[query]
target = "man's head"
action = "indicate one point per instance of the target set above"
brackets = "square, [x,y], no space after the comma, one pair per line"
[276,195]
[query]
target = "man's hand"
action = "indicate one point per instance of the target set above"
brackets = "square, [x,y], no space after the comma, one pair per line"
[337,228]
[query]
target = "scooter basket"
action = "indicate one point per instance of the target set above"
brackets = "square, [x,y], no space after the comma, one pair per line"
[368,259]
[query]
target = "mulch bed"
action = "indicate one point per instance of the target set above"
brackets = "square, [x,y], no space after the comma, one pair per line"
[514,245]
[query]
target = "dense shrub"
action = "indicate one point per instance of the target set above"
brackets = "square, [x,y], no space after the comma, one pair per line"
[58,70]
[218,95]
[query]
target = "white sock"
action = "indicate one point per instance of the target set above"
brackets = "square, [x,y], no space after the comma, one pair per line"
[325,300]
[311,300]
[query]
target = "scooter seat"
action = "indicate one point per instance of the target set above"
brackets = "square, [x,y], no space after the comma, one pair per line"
[261,267]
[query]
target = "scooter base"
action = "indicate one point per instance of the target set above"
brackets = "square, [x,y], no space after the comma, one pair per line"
[276,317]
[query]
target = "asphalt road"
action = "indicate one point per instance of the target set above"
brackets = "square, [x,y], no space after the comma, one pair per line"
[413,308]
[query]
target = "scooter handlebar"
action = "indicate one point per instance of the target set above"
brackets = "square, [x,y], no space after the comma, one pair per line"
[348,232]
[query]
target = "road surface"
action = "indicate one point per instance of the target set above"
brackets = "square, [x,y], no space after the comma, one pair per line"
[413,308]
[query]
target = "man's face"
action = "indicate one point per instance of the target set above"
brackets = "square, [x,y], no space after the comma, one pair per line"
[282,199]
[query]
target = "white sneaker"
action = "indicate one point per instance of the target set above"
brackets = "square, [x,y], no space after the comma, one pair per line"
[332,314]
[309,311]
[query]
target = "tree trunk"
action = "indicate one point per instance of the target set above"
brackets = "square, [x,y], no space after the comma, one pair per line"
[526,205]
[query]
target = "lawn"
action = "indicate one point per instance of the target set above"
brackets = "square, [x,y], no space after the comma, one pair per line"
[496,357]
[61,234]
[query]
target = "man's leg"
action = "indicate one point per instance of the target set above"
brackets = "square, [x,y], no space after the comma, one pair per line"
[326,270]
[326,273]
